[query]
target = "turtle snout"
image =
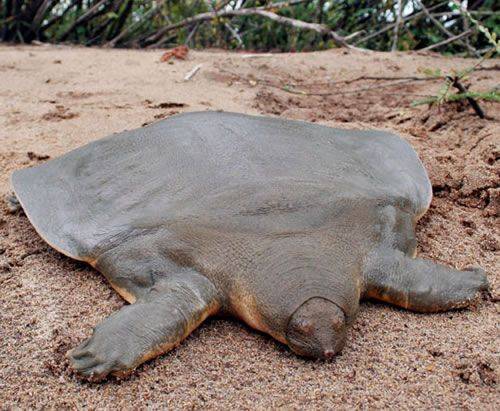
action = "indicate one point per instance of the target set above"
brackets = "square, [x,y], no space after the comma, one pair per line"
[317,329]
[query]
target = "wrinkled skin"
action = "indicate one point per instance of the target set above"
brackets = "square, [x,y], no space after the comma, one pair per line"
[284,225]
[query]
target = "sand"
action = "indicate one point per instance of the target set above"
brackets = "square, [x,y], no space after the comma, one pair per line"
[54,99]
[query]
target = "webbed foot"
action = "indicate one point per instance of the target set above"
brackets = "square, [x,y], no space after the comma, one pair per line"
[152,326]
[106,352]
[421,285]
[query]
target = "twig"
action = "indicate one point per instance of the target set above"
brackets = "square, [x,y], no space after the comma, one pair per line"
[89,14]
[349,81]
[473,12]
[98,32]
[255,56]
[228,26]
[156,37]
[482,51]
[234,33]
[465,22]
[194,27]
[490,36]
[474,104]
[192,33]
[56,18]
[396,27]
[495,67]
[448,40]
[299,24]
[192,73]
[391,26]
[288,87]
[484,13]
[41,12]
[443,28]
[140,40]
[352,36]
[339,93]
[150,13]
[109,26]
[414,78]
[263,11]
[124,13]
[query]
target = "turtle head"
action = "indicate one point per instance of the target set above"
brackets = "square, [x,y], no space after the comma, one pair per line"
[317,329]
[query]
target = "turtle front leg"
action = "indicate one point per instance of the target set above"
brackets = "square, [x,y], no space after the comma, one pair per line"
[153,325]
[420,285]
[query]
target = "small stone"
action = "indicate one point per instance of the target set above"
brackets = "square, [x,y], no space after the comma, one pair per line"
[5,267]
[13,205]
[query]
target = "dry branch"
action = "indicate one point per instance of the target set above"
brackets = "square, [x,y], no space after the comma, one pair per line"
[192,72]
[474,104]
[231,29]
[117,27]
[234,33]
[290,87]
[212,15]
[40,13]
[397,26]
[449,40]
[354,91]
[371,78]
[444,29]
[150,13]
[157,38]
[192,33]
[90,14]
[391,26]
[56,18]
[352,36]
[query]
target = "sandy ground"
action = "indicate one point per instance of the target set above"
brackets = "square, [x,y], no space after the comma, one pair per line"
[54,99]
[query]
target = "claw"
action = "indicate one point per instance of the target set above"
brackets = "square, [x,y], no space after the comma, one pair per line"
[485,286]
[77,355]
[94,362]
[88,363]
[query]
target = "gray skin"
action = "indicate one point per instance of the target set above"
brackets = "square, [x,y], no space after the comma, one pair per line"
[283,224]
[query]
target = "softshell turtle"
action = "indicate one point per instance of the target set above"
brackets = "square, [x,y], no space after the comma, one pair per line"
[283,224]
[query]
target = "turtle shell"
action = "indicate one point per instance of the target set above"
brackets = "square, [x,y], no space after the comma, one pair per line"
[215,166]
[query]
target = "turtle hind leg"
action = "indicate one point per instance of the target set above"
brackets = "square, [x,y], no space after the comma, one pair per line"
[155,324]
[420,285]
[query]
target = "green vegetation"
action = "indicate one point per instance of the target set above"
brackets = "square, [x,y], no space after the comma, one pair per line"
[369,24]
[454,79]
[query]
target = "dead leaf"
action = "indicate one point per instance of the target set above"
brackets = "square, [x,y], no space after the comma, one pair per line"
[179,52]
